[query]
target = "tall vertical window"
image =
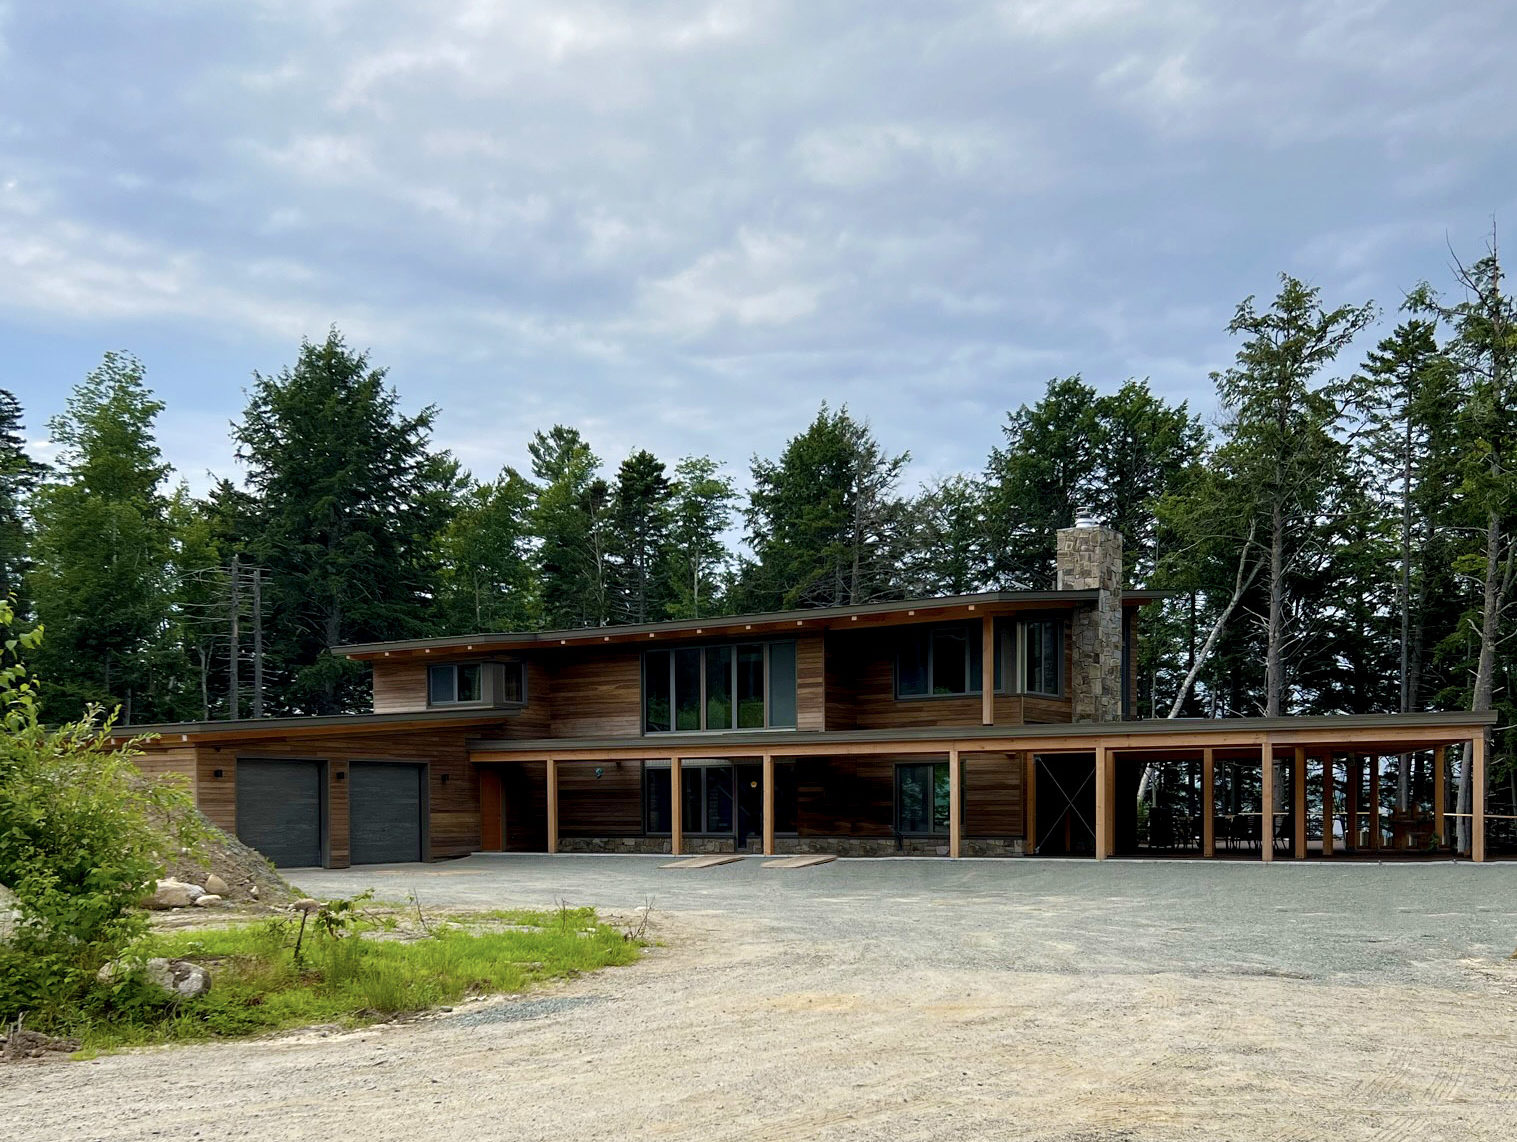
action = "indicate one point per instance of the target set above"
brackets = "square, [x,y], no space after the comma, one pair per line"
[1043,669]
[939,661]
[921,798]
[748,686]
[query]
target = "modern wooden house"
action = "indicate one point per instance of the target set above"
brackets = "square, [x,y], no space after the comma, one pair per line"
[992,724]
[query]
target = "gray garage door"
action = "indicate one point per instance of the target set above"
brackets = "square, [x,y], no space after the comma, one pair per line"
[279,810]
[384,811]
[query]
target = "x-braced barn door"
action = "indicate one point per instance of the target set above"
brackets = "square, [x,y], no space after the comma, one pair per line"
[1066,809]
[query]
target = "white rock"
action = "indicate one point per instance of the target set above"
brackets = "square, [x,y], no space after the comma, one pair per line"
[171,893]
[180,979]
[215,885]
[207,901]
[253,892]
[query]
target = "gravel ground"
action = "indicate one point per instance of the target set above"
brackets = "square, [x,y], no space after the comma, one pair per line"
[902,999]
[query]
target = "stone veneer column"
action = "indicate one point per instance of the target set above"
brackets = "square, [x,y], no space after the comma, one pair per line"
[1090,558]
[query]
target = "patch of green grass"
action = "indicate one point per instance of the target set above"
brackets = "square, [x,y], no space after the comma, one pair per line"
[259,987]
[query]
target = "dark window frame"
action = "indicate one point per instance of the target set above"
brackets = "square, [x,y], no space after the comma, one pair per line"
[482,670]
[734,690]
[933,830]
[973,661]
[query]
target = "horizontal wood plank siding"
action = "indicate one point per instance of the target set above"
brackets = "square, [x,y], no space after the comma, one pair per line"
[399,687]
[607,806]
[845,797]
[993,795]
[810,683]
[597,694]
[176,760]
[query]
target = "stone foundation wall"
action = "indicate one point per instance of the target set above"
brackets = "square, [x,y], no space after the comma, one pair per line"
[838,846]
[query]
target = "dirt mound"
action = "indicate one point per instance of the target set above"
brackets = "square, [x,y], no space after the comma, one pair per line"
[243,869]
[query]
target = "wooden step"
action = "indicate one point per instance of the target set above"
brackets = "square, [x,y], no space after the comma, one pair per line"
[709,860]
[804,860]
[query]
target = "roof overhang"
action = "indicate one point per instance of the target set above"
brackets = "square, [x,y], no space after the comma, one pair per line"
[767,623]
[1232,737]
[250,729]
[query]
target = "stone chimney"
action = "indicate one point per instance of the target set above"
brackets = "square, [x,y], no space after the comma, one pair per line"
[1089,557]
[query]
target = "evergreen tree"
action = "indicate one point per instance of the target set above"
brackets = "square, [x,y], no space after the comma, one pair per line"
[100,585]
[488,580]
[1280,438]
[947,551]
[570,520]
[19,477]
[700,511]
[350,502]
[639,540]
[824,520]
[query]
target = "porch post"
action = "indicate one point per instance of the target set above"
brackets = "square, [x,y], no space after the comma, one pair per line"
[1029,803]
[1103,804]
[1477,799]
[955,804]
[988,670]
[1352,774]
[1375,803]
[1298,787]
[769,804]
[1440,761]
[552,805]
[1267,802]
[1208,803]
[676,809]
[1329,817]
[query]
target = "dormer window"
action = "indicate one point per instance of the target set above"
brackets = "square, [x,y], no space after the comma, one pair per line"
[453,684]
[477,684]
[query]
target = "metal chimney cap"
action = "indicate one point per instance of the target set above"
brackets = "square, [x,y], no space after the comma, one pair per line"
[1083,518]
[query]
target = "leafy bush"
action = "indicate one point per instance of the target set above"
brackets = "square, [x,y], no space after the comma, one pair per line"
[80,828]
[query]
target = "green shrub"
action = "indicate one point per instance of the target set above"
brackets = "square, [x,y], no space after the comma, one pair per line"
[79,832]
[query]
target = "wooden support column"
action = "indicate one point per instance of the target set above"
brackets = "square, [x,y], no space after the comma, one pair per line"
[1103,804]
[1267,802]
[768,804]
[1477,799]
[1351,775]
[552,777]
[1375,803]
[1440,793]
[955,804]
[1029,803]
[676,808]
[1299,802]
[988,670]
[1329,817]
[1208,803]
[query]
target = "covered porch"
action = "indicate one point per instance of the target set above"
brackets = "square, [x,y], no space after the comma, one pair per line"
[998,790]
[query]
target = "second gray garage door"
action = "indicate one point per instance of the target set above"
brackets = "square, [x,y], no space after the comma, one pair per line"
[384,812]
[279,810]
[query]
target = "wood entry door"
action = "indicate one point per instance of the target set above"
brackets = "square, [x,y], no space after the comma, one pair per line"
[750,803]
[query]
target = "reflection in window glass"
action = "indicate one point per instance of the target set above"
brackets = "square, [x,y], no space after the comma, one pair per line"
[950,661]
[782,684]
[656,785]
[513,682]
[1045,657]
[911,675]
[687,689]
[718,798]
[440,684]
[921,798]
[691,800]
[468,683]
[656,691]
[750,687]
[718,687]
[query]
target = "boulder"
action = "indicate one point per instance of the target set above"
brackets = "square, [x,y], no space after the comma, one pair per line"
[171,893]
[208,900]
[307,905]
[179,979]
[215,886]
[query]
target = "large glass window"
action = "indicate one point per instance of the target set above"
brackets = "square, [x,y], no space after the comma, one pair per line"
[921,798]
[1044,663]
[741,687]
[939,661]
[708,798]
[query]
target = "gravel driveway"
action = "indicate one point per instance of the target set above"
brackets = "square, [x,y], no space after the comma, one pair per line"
[902,999]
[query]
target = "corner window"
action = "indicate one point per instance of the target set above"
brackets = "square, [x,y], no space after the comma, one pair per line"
[921,799]
[749,686]
[939,661]
[451,685]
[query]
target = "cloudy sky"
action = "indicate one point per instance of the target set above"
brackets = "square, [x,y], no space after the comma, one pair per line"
[683,225]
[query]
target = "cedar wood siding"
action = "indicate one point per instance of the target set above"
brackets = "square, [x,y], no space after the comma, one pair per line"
[860,691]
[401,687]
[855,796]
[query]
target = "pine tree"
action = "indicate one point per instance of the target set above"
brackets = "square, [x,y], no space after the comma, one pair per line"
[19,477]
[639,539]
[488,580]
[100,585]
[570,519]
[350,500]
